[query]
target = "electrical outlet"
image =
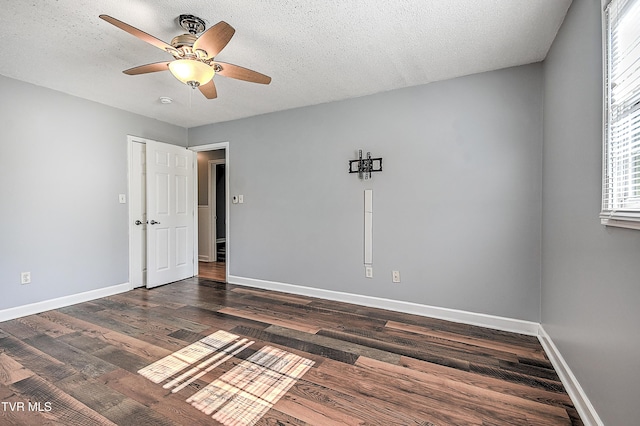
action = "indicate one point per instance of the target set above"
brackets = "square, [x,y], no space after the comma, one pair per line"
[25,277]
[368,271]
[395,276]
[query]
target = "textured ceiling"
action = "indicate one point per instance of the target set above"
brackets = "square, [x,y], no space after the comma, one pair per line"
[316,51]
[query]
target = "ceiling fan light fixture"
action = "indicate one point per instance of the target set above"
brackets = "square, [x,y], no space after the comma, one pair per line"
[191,72]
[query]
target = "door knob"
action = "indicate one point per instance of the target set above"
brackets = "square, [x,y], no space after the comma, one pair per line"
[153,222]
[137,222]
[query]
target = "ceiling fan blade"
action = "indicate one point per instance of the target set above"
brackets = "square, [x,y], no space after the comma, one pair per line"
[240,73]
[209,90]
[136,32]
[214,39]
[144,69]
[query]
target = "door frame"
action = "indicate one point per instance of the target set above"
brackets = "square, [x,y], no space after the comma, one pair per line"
[213,206]
[214,147]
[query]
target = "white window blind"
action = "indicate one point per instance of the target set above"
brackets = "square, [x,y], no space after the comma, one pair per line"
[621,177]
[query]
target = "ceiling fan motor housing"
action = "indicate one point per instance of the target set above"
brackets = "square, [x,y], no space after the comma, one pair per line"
[192,24]
[183,40]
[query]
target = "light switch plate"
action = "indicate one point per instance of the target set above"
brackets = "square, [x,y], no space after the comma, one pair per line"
[122,198]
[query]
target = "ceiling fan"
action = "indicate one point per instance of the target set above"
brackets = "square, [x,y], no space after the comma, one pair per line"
[193,62]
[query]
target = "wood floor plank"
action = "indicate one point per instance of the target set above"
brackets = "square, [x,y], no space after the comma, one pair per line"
[274,296]
[19,417]
[370,366]
[19,329]
[34,325]
[121,358]
[277,418]
[459,359]
[131,319]
[96,336]
[358,407]
[382,395]
[213,318]
[151,395]
[101,318]
[438,324]
[315,414]
[129,298]
[454,349]
[365,406]
[146,317]
[79,360]
[35,360]
[12,371]
[328,342]
[418,340]
[271,319]
[64,407]
[130,412]
[91,392]
[312,316]
[155,298]
[212,270]
[538,353]
[301,345]
[134,386]
[486,382]
[473,396]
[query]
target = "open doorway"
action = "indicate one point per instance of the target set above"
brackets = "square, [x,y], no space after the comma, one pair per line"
[212,214]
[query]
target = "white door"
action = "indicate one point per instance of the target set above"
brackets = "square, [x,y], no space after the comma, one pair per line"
[170,213]
[138,214]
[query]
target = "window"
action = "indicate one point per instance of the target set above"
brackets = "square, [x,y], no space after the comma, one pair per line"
[621,176]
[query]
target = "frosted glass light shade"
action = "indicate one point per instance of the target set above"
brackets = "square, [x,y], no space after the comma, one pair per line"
[191,72]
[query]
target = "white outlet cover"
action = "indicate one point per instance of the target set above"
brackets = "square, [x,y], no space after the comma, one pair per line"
[368,272]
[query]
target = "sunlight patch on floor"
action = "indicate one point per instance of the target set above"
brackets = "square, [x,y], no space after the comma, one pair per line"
[242,395]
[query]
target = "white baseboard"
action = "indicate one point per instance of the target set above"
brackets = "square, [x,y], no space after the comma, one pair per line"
[580,400]
[61,302]
[490,321]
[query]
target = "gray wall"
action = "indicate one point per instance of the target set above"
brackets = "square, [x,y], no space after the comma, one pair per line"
[63,162]
[457,209]
[591,274]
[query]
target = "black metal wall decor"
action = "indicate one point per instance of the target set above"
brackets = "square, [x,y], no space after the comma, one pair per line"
[365,166]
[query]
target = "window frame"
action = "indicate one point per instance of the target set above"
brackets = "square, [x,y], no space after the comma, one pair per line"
[610,216]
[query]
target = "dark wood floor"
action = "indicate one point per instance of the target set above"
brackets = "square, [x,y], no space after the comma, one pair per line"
[288,360]
[215,271]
